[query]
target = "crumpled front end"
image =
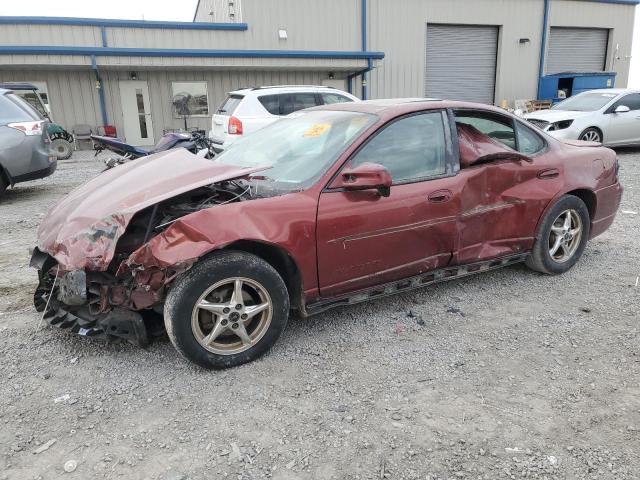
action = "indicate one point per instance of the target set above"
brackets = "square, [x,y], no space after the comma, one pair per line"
[74,301]
[85,241]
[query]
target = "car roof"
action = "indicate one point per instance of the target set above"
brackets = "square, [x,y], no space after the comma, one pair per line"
[17,86]
[390,107]
[281,89]
[616,91]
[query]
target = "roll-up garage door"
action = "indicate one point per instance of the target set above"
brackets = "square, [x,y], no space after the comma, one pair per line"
[461,62]
[577,49]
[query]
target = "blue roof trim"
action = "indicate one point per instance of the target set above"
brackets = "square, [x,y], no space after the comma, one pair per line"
[171,52]
[105,22]
[623,2]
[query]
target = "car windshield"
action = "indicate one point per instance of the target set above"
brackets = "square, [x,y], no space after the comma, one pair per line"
[298,149]
[585,102]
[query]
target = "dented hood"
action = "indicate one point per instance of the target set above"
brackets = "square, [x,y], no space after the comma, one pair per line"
[81,231]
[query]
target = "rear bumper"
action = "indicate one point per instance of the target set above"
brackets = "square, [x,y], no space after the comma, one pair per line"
[219,145]
[45,172]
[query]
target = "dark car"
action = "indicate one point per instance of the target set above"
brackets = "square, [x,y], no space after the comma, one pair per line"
[24,142]
[334,206]
[61,140]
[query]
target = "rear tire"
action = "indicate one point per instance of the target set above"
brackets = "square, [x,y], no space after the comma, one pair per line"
[561,238]
[228,309]
[61,148]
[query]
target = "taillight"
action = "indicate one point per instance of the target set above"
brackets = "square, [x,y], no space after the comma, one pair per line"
[235,126]
[28,128]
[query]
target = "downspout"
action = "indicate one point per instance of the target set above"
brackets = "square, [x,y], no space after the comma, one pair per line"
[103,103]
[363,31]
[543,44]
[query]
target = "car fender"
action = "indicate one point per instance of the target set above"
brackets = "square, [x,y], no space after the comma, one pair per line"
[286,222]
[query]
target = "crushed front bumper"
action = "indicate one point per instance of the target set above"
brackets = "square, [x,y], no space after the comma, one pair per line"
[63,300]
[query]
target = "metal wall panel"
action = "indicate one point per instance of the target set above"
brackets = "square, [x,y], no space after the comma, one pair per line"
[74,98]
[461,62]
[310,25]
[617,18]
[577,49]
[398,29]
[60,35]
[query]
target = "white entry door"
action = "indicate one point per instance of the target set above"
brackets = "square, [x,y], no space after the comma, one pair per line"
[136,113]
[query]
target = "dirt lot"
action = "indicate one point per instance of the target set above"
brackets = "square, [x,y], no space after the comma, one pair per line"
[506,375]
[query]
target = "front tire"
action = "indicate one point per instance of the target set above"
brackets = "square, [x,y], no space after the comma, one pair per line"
[591,134]
[228,309]
[562,237]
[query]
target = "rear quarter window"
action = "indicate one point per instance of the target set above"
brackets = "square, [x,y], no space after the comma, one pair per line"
[271,103]
[230,104]
[15,109]
[529,142]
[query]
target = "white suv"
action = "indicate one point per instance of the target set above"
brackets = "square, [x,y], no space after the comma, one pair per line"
[249,109]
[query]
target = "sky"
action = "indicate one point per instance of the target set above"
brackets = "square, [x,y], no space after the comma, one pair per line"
[183,11]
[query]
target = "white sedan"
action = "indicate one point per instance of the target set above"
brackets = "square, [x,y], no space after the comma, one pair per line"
[608,116]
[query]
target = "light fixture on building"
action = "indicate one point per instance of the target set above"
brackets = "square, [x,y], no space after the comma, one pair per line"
[331,76]
[133,76]
[282,34]
[98,85]
[523,41]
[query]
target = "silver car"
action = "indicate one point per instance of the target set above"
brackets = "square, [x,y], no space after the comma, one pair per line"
[609,116]
[24,143]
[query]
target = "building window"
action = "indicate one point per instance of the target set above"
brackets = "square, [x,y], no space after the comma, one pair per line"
[190,98]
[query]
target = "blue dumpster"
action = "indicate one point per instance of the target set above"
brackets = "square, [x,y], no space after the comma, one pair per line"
[572,83]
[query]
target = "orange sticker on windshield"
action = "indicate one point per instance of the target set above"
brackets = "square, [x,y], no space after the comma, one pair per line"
[317,130]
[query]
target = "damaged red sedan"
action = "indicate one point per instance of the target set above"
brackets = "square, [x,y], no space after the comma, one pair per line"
[336,205]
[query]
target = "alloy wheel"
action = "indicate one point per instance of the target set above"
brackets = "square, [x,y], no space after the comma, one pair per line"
[565,235]
[231,316]
[591,136]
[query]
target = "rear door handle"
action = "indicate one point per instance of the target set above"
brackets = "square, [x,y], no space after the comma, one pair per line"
[548,173]
[440,196]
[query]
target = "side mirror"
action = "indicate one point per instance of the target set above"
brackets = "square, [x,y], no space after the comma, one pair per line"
[622,109]
[367,176]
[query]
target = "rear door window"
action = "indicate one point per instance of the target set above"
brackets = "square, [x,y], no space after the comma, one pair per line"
[230,104]
[292,102]
[304,100]
[498,128]
[329,98]
[15,109]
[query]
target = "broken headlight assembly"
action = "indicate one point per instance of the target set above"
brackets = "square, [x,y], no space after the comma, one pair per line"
[559,125]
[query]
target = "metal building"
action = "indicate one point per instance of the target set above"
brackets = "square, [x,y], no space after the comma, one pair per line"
[125,72]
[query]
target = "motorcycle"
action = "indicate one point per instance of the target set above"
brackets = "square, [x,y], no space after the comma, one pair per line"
[196,141]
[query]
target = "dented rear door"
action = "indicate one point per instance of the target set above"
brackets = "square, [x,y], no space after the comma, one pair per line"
[502,199]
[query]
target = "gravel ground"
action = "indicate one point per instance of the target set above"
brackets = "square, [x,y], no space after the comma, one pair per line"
[510,374]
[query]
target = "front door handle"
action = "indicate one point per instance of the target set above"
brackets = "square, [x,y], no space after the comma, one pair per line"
[548,173]
[440,196]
